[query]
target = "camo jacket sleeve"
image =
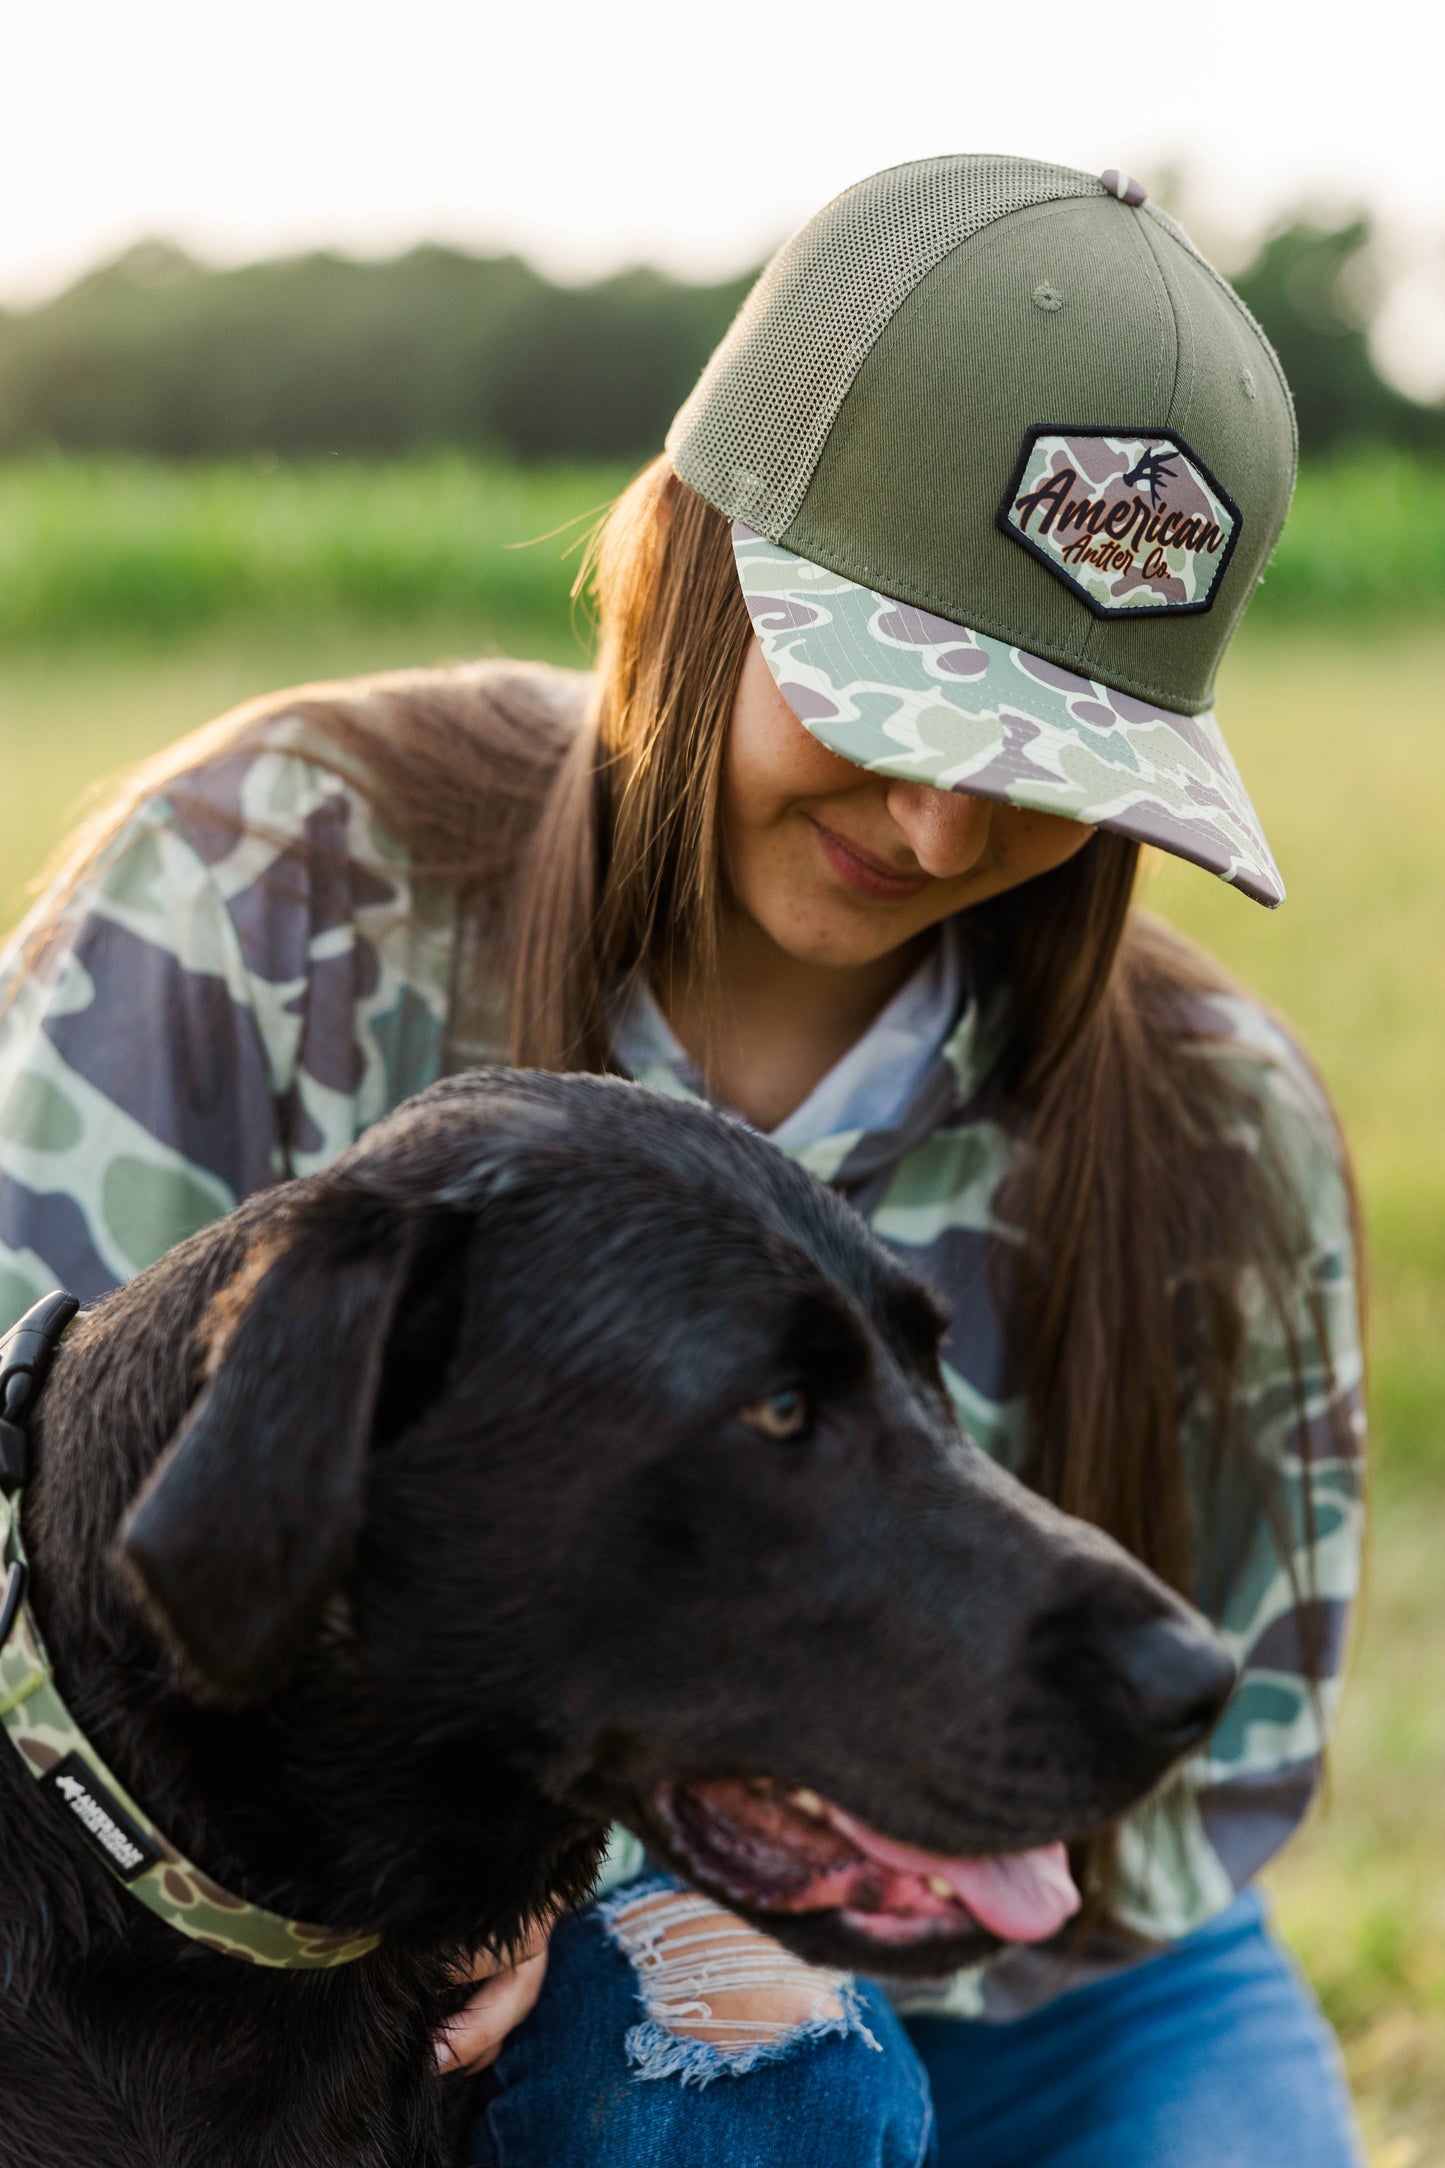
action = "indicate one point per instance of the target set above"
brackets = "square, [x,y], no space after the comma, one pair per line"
[247,978]
[1280,1594]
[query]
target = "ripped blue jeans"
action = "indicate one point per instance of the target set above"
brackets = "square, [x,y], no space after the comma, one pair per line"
[1210,2055]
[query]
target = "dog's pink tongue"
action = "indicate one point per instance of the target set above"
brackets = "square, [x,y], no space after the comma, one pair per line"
[1019,1896]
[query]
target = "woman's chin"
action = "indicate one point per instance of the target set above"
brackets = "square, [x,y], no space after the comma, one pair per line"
[844,932]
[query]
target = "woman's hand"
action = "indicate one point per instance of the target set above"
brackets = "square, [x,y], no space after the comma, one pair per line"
[508,1987]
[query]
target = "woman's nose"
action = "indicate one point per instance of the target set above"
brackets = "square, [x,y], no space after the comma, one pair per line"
[947,831]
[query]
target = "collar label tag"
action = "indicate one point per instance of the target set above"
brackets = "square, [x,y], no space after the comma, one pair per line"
[125,1850]
[1130,520]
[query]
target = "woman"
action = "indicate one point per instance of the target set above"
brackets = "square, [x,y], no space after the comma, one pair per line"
[906,646]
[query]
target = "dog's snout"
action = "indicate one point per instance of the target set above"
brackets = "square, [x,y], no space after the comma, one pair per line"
[1149,1675]
[1171,1675]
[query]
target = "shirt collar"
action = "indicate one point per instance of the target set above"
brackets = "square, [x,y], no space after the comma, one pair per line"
[926,1053]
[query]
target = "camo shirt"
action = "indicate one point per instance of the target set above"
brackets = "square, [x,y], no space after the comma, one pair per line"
[251,975]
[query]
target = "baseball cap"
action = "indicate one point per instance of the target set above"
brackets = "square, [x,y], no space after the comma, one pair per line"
[1005,458]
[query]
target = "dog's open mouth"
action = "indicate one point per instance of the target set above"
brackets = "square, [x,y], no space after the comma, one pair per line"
[769,1850]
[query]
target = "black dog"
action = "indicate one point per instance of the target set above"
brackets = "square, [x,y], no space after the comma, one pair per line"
[564,1454]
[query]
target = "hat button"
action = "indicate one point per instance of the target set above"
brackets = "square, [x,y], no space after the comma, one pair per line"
[1124,186]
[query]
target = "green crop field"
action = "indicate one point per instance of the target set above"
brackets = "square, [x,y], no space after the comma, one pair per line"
[114,548]
[144,601]
[111,549]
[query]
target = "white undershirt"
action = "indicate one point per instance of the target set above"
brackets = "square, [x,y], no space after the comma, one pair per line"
[870,1088]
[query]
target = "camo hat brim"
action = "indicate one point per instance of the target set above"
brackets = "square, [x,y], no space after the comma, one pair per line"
[902,692]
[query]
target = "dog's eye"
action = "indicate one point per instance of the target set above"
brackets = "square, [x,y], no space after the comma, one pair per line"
[781,1415]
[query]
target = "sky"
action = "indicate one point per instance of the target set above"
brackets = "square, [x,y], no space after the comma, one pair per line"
[693,134]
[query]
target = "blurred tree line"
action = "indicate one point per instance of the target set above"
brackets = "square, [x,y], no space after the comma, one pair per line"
[158,354]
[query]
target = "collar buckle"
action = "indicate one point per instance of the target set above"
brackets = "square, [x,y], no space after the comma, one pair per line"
[26,1352]
[11,1601]
[14,1455]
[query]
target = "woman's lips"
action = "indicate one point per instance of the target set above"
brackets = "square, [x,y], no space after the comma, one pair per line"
[863,873]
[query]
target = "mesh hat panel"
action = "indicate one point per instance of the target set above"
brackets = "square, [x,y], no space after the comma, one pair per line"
[750,436]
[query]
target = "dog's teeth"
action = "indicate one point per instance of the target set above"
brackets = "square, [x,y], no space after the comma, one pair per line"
[939,1887]
[808,1802]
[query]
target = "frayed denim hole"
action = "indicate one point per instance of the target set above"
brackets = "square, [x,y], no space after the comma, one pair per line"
[689,1955]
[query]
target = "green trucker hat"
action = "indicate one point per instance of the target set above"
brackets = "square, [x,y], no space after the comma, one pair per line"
[1005,459]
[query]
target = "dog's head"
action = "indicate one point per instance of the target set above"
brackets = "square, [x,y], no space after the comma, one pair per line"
[585,1436]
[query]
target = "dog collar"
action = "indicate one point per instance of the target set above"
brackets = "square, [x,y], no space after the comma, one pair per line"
[62,1759]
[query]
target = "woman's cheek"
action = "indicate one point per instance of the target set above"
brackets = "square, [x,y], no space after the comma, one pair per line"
[772,771]
[770,761]
[768,866]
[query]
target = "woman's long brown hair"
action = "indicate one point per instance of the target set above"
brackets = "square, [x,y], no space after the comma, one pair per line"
[592,838]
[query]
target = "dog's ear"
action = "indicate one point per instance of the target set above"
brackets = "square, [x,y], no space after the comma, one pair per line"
[248,1520]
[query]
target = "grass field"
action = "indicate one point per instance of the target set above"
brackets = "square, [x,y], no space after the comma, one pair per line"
[1339,734]
[1340,738]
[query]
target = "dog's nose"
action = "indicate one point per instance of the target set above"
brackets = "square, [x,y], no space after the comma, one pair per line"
[1150,1672]
[1172,1675]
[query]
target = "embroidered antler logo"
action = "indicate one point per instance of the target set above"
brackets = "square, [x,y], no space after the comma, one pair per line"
[1148,471]
[1090,505]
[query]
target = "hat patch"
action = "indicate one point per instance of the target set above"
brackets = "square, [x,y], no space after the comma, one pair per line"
[1130,520]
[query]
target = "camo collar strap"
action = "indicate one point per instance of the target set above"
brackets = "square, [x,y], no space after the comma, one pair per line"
[63,1761]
